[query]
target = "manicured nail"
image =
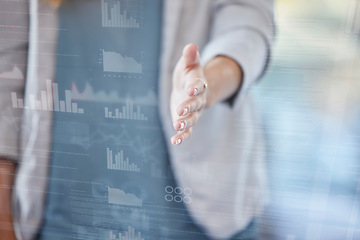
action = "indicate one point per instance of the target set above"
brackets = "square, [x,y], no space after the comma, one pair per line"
[185,111]
[196,91]
[178,141]
[182,125]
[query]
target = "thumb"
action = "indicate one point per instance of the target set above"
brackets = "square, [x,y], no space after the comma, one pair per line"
[190,55]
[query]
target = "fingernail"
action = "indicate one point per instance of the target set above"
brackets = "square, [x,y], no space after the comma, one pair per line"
[185,111]
[183,125]
[196,91]
[178,141]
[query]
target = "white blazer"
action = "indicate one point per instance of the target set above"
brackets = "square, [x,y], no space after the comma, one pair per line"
[223,162]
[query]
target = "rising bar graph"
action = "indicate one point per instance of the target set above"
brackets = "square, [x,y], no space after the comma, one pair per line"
[130,234]
[129,111]
[117,161]
[48,101]
[115,14]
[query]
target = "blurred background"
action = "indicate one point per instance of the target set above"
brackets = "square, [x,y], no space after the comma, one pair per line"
[310,105]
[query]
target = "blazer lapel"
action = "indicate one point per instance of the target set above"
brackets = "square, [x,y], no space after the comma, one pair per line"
[171,18]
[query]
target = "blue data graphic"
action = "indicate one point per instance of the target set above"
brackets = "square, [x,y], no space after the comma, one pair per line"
[48,101]
[128,111]
[118,196]
[120,63]
[112,96]
[118,158]
[121,13]
[14,74]
[130,234]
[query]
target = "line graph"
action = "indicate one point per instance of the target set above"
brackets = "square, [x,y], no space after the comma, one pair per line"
[14,74]
[116,62]
[118,196]
[88,94]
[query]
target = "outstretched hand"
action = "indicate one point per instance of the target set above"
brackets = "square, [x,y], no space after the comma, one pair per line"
[188,97]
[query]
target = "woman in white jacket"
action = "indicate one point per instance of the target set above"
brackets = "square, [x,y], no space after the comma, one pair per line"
[202,93]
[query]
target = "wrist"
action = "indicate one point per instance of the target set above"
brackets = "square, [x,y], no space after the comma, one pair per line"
[224,77]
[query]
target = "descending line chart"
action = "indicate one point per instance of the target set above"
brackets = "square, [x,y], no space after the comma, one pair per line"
[118,63]
[118,196]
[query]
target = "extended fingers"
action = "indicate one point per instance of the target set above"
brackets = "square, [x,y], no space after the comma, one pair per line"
[190,84]
[181,136]
[186,122]
[195,87]
[192,104]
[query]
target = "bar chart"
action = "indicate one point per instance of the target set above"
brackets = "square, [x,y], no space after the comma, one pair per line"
[118,196]
[121,14]
[117,161]
[129,111]
[116,62]
[130,234]
[49,101]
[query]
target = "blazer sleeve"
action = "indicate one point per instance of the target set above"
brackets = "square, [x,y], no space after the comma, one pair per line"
[10,119]
[13,58]
[242,30]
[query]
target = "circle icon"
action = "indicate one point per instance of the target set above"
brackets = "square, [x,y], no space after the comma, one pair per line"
[169,189]
[178,198]
[178,190]
[187,191]
[169,197]
[187,199]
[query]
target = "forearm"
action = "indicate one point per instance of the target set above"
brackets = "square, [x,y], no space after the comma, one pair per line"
[7,171]
[224,77]
[190,95]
